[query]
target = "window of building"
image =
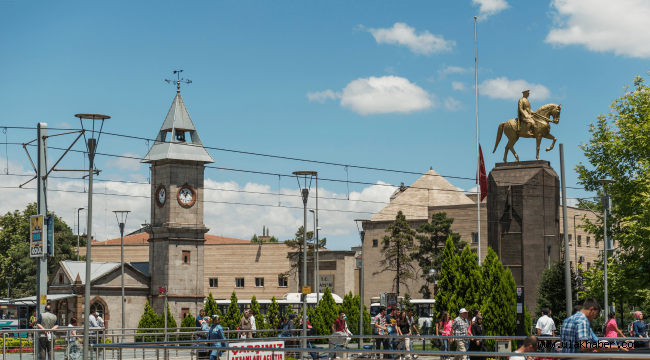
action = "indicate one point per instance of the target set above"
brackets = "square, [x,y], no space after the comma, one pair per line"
[375,243]
[185,312]
[60,278]
[214,282]
[570,240]
[588,239]
[597,242]
[282,281]
[588,266]
[259,282]
[570,263]
[186,257]
[579,240]
[475,238]
[239,282]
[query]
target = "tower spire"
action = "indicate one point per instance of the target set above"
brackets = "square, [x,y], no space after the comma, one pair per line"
[178,81]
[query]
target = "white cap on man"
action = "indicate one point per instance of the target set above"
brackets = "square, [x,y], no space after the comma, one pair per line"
[463,310]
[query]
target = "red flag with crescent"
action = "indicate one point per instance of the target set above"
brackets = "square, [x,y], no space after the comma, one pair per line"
[482,177]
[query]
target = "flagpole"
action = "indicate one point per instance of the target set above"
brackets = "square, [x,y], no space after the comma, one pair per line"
[478,156]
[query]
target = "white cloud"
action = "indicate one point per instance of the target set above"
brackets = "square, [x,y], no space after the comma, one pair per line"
[63,125]
[386,94]
[322,96]
[452,104]
[125,164]
[457,85]
[603,25]
[489,7]
[430,79]
[390,70]
[502,88]
[423,43]
[451,69]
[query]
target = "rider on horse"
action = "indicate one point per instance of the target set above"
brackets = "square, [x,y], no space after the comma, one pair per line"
[524,113]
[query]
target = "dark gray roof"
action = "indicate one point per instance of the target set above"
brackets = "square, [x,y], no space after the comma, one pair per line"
[142,267]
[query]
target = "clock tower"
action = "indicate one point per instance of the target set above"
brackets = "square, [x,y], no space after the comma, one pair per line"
[176,234]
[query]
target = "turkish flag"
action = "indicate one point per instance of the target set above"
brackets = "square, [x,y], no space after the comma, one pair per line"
[482,177]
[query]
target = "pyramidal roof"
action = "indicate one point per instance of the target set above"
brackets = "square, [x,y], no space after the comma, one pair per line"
[178,122]
[429,190]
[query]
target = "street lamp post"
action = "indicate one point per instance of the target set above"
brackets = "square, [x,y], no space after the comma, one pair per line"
[304,192]
[315,257]
[78,227]
[92,143]
[575,239]
[605,201]
[121,216]
[362,235]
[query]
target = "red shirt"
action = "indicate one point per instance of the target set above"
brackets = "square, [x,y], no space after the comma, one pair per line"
[339,325]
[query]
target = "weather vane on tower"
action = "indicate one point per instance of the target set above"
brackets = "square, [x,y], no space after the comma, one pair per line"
[179,80]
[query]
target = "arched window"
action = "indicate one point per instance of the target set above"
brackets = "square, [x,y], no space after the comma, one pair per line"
[99,307]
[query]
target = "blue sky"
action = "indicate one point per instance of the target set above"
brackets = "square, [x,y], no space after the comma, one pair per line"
[372,83]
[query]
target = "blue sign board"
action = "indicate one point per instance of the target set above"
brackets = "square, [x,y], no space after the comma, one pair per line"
[50,235]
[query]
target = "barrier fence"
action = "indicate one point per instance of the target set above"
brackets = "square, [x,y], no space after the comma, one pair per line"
[112,342]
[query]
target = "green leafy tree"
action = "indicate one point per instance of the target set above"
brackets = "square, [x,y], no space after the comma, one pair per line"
[188,322]
[395,249]
[499,305]
[273,239]
[328,311]
[255,239]
[171,323]
[259,318]
[551,292]
[296,249]
[14,250]
[351,309]
[233,316]
[406,304]
[448,282]
[469,290]
[148,321]
[432,238]
[272,318]
[619,149]
[210,307]
[528,321]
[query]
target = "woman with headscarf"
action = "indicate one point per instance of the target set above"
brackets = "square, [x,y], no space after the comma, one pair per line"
[477,344]
[216,333]
[639,330]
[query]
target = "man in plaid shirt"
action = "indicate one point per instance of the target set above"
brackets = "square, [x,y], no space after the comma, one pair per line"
[380,324]
[576,334]
[459,327]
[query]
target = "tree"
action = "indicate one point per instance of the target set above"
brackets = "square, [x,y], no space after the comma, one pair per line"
[499,305]
[432,237]
[233,316]
[255,239]
[255,310]
[171,323]
[273,239]
[619,149]
[295,254]
[351,310]
[328,311]
[551,292]
[396,249]
[188,322]
[148,321]
[406,303]
[528,321]
[447,289]
[469,290]
[211,307]
[14,250]
[272,317]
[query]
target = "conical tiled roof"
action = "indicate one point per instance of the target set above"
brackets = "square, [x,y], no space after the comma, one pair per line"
[429,190]
[178,119]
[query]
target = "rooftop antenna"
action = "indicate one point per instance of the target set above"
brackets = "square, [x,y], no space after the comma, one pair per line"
[178,80]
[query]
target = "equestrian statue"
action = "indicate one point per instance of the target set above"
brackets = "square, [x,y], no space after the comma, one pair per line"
[529,124]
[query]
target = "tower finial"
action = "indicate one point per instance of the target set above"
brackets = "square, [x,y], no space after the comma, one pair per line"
[179,80]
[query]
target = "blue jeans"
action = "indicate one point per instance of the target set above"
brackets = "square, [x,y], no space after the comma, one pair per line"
[445,347]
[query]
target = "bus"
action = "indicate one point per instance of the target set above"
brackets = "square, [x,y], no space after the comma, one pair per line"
[423,309]
[290,300]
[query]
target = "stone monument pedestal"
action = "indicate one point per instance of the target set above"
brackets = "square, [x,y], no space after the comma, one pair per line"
[523,205]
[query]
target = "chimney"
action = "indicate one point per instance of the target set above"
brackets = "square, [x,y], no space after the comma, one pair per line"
[265,235]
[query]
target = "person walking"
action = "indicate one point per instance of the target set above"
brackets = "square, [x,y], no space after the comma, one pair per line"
[71,338]
[460,327]
[413,328]
[612,330]
[245,324]
[575,335]
[443,328]
[339,329]
[46,321]
[382,329]
[546,327]
[529,346]
[404,329]
[639,329]
[216,333]
[199,318]
[477,344]
[253,324]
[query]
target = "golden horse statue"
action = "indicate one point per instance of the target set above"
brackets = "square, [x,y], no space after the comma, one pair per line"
[540,129]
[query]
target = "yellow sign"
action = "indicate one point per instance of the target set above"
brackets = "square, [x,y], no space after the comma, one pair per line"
[306,290]
[43,299]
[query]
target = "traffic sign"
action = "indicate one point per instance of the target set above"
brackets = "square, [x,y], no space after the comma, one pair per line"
[306,290]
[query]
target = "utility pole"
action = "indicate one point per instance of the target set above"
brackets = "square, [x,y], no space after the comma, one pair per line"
[606,206]
[565,223]
[78,227]
[41,262]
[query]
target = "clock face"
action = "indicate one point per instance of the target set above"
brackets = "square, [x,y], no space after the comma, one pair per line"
[186,196]
[161,195]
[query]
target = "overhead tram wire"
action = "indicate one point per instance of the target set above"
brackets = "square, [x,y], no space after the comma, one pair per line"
[286,158]
[285,175]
